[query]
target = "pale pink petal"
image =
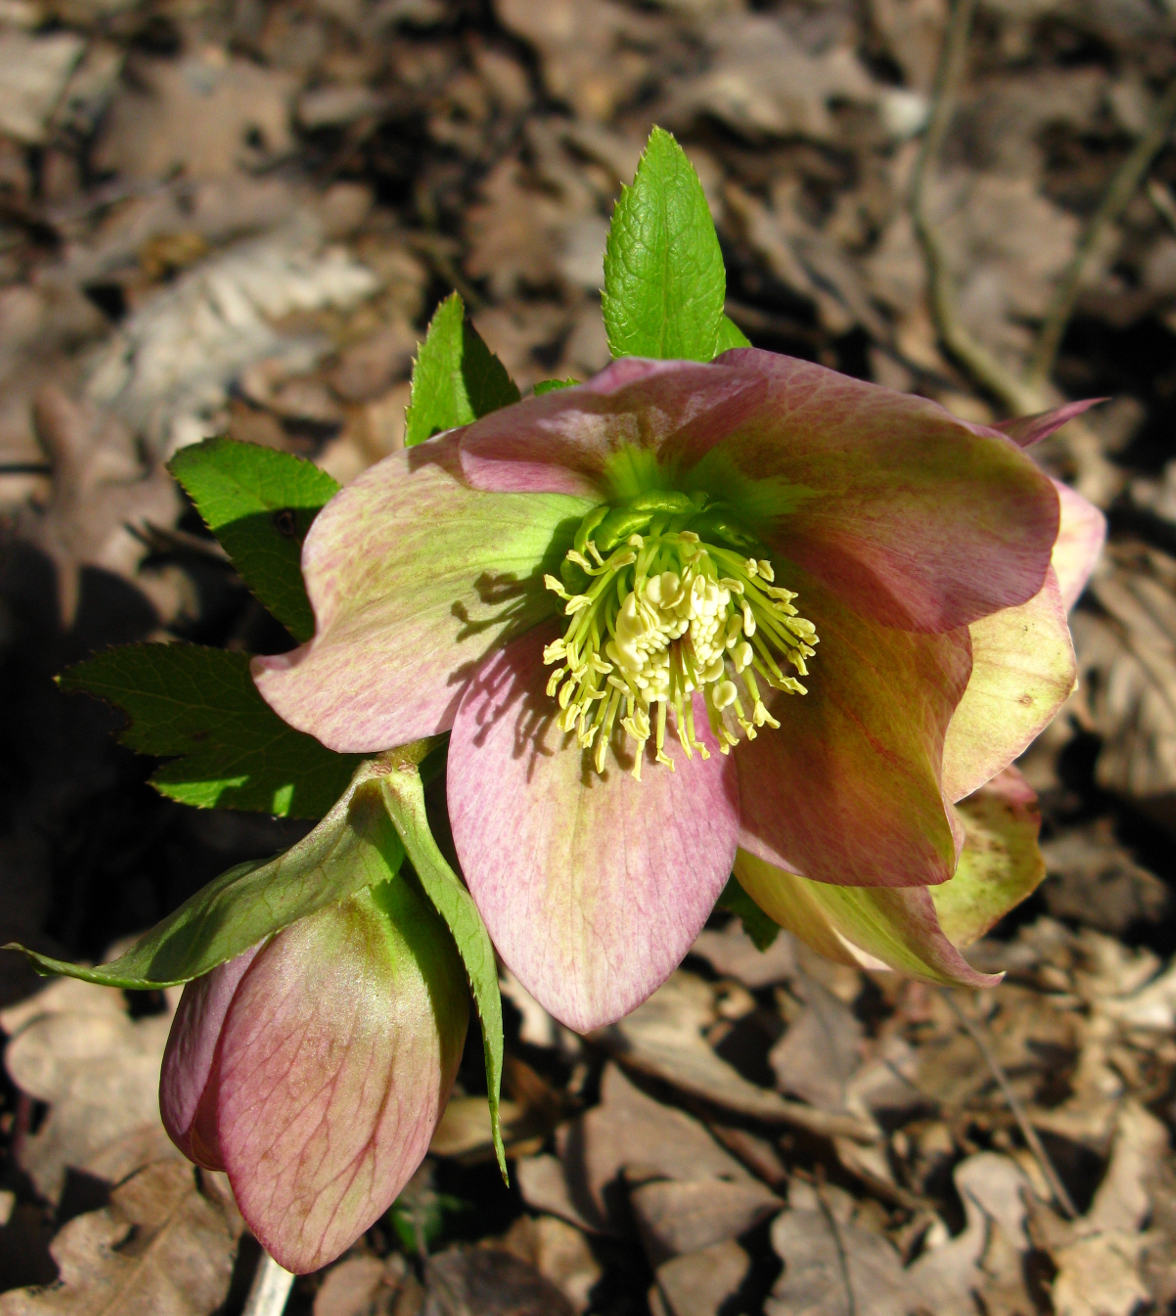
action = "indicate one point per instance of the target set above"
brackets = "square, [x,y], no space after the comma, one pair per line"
[1000,863]
[872,927]
[561,442]
[848,789]
[1023,670]
[190,1119]
[1027,430]
[337,1056]
[1080,540]
[592,887]
[414,577]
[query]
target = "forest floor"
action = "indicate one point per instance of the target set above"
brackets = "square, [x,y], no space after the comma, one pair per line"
[236,216]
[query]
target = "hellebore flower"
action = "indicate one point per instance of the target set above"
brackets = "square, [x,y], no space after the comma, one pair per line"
[682,611]
[314,1068]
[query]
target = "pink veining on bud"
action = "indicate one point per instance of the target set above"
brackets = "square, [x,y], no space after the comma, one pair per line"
[314,1068]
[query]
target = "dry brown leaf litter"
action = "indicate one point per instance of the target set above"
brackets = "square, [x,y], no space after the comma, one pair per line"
[238,217]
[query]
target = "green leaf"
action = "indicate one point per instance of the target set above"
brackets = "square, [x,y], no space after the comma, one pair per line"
[730,335]
[455,379]
[762,929]
[199,708]
[355,846]
[259,503]
[550,385]
[405,797]
[664,281]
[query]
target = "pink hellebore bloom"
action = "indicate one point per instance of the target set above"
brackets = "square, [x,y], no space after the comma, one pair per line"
[683,612]
[314,1068]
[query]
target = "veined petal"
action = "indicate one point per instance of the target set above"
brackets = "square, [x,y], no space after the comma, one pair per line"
[1080,540]
[593,886]
[413,577]
[337,1056]
[1000,863]
[848,789]
[872,927]
[918,519]
[1023,666]
[912,929]
[562,441]
[186,1103]
[1023,670]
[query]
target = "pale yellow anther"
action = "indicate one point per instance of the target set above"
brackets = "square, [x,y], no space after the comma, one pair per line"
[660,620]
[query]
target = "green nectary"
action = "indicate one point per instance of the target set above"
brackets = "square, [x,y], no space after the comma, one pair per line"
[666,597]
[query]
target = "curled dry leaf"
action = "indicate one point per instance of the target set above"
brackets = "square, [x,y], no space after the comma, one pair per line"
[161,1248]
[1127,647]
[699,1283]
[665,1038]
[97,1070]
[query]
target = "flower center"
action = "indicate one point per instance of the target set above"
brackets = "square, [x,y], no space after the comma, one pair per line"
[656,613]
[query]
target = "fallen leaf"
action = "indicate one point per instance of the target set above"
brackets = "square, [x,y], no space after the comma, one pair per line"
[700,1283]
[160,1248]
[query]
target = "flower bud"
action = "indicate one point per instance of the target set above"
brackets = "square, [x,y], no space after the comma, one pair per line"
[314,1068]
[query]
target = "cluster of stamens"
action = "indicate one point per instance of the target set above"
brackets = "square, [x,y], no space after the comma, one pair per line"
[659,615]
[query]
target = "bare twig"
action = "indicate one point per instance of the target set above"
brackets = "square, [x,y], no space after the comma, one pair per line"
[1062,1197]
[1093,475]
[1125,182]
[984,368]
[1161,198]
[269,1290]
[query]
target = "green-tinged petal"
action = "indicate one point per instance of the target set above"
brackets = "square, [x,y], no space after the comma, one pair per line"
[1023,666]
[1023,670]
[1000,864]
[917,930]
[414,578]
[873,927]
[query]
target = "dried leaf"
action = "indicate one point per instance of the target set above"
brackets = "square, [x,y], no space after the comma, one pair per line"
[160,1248]
[1127,649]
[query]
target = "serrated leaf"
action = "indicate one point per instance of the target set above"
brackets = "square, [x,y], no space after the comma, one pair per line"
[259,503]
[199,708]
[730,335]
[405,797]
[664,281]
[455,378]
[550,385]
[353,847]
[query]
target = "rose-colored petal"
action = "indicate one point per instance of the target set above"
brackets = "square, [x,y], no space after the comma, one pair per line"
[1000,863]
[1027,430]
[337,1056]
[921,519]
[188,1117]
[1080,540]
[918,519]
[592,887]
[848,788]
[561,441]
[1023,670]
[414,577]
[872,927]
